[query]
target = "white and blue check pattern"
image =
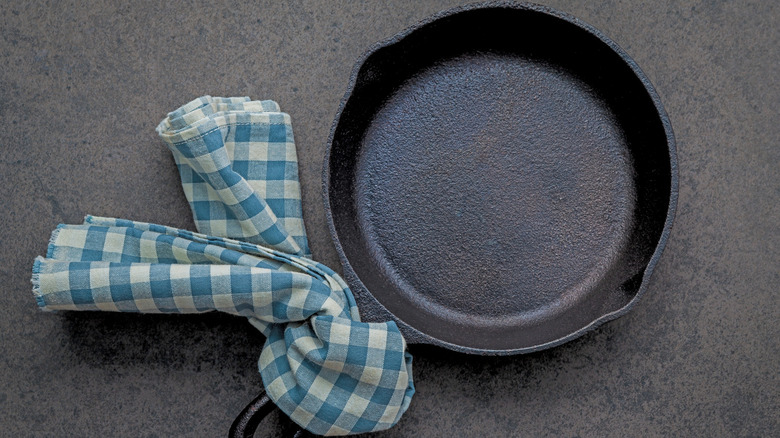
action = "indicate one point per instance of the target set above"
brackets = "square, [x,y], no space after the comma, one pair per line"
[331,373]
[239,170]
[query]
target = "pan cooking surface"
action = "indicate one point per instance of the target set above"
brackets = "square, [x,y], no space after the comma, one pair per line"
[482,215]
[500,191]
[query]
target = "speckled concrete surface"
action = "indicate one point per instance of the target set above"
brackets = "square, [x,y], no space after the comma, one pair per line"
[82,86]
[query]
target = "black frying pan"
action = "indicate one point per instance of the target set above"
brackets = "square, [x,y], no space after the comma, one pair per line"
[500,179]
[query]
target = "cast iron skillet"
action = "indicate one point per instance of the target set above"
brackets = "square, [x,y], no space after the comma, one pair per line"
[500,179]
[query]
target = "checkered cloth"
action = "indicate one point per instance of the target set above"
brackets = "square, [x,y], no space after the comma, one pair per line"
[331,373]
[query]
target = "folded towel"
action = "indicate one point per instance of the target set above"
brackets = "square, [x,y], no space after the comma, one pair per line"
[329,372]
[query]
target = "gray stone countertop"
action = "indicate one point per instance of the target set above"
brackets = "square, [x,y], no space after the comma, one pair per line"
[83,85]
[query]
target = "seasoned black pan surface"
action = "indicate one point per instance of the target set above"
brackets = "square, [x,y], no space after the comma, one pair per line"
[500,179]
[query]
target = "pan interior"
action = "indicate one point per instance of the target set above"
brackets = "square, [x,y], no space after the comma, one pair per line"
[486,190]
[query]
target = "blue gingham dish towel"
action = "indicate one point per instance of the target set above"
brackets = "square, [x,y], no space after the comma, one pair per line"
[329,372]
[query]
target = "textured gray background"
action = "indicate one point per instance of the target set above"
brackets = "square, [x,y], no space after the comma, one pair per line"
[82,87]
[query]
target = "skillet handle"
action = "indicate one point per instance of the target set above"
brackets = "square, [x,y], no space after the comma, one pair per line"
[246,423]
